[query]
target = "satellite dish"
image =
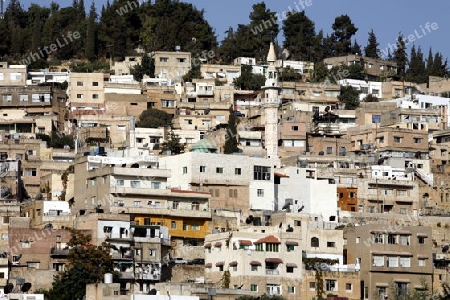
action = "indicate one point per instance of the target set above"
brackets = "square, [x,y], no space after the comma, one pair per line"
[25,287]
[152,292]
[8,288]
[445,248]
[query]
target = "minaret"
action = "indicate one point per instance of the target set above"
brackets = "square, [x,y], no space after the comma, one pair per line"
[271,104]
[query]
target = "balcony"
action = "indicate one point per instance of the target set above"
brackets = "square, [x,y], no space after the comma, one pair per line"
[59,252]
[142,173]
[185,213]
[272,272]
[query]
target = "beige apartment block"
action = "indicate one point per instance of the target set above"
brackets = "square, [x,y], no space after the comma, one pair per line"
[335,283]
[172,65]
[438,85]
[223,73]
[11,75]
[426,120]
[325,93]
[125,104]
[123,67]
[392,258]
[38,254]
[86,93]
[369,113]
[164,98]
[373,67]
[34,105]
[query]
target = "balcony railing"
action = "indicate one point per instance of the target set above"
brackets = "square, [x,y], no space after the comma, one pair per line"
[272,272]
[60,252]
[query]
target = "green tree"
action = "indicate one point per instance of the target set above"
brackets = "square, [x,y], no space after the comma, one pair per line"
[344,30]
[173,144]
[400,56]
[416,71]
[320,72]
[57,140]
[87,264]
[231,143]
[154,118]
[371,50]
[356,48]
[289,74]
[349,96]
[300,36]
[91,34]
[248,80]
[264,26]
[146,67]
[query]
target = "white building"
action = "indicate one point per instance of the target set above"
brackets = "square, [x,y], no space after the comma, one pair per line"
[364,87]
[299,190]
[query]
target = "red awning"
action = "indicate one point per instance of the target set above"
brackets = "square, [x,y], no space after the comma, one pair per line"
[268,239]
[220,263]
[291,243]
[218,244]
[245,242]
[291,265]
[255,263]
[274,260]
[233,263]
[208,265]
[207,245]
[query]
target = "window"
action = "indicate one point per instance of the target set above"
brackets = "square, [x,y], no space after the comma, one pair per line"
[79,83]
[121,127]
[381,291]
[392,239]
[237,171]
[329,150]
[94,96]
[376,118]
[163,59]
[312,286]
[254,287]
[95,83]
[260,193]
[152,252]
[348,287]
[254,268]
[378,260]
[173,225]
[79,96]
[405,262]
[155,185]
[31,172]
[331,244]
[392,261]
[422,262]
[401,289]
[417,140]
[270,247]
[185,170]
[202,169]
[25,244]
[195,206]
[188,122]
[358,240]
[404,240]
[289,269]
[175,205]
[168,103]
[232,193]
[398,139]
[220,268]
[273,289]
[137,203]
[181,60]
[330,285]
[261,173]
[33,265]
[378,238]
[195,227]
[314,242]
[421,239]
[23,98]
[135,184]
[291,289]
[219,170]
[120,182]
[294,128]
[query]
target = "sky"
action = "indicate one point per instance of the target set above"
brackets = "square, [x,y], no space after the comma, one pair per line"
[386,17]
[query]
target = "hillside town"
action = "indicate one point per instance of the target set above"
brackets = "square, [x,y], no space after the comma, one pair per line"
[193,175]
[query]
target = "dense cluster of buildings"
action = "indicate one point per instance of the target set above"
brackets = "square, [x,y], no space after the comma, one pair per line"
[352,201]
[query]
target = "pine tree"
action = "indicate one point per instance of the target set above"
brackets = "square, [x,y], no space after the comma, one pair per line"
[400,56]
[344,29]
[231,143]
[356,48]
[300,36]
[91,34]
[371,50]
[173,144]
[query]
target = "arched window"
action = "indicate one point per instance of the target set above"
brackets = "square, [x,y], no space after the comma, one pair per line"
[314,242]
